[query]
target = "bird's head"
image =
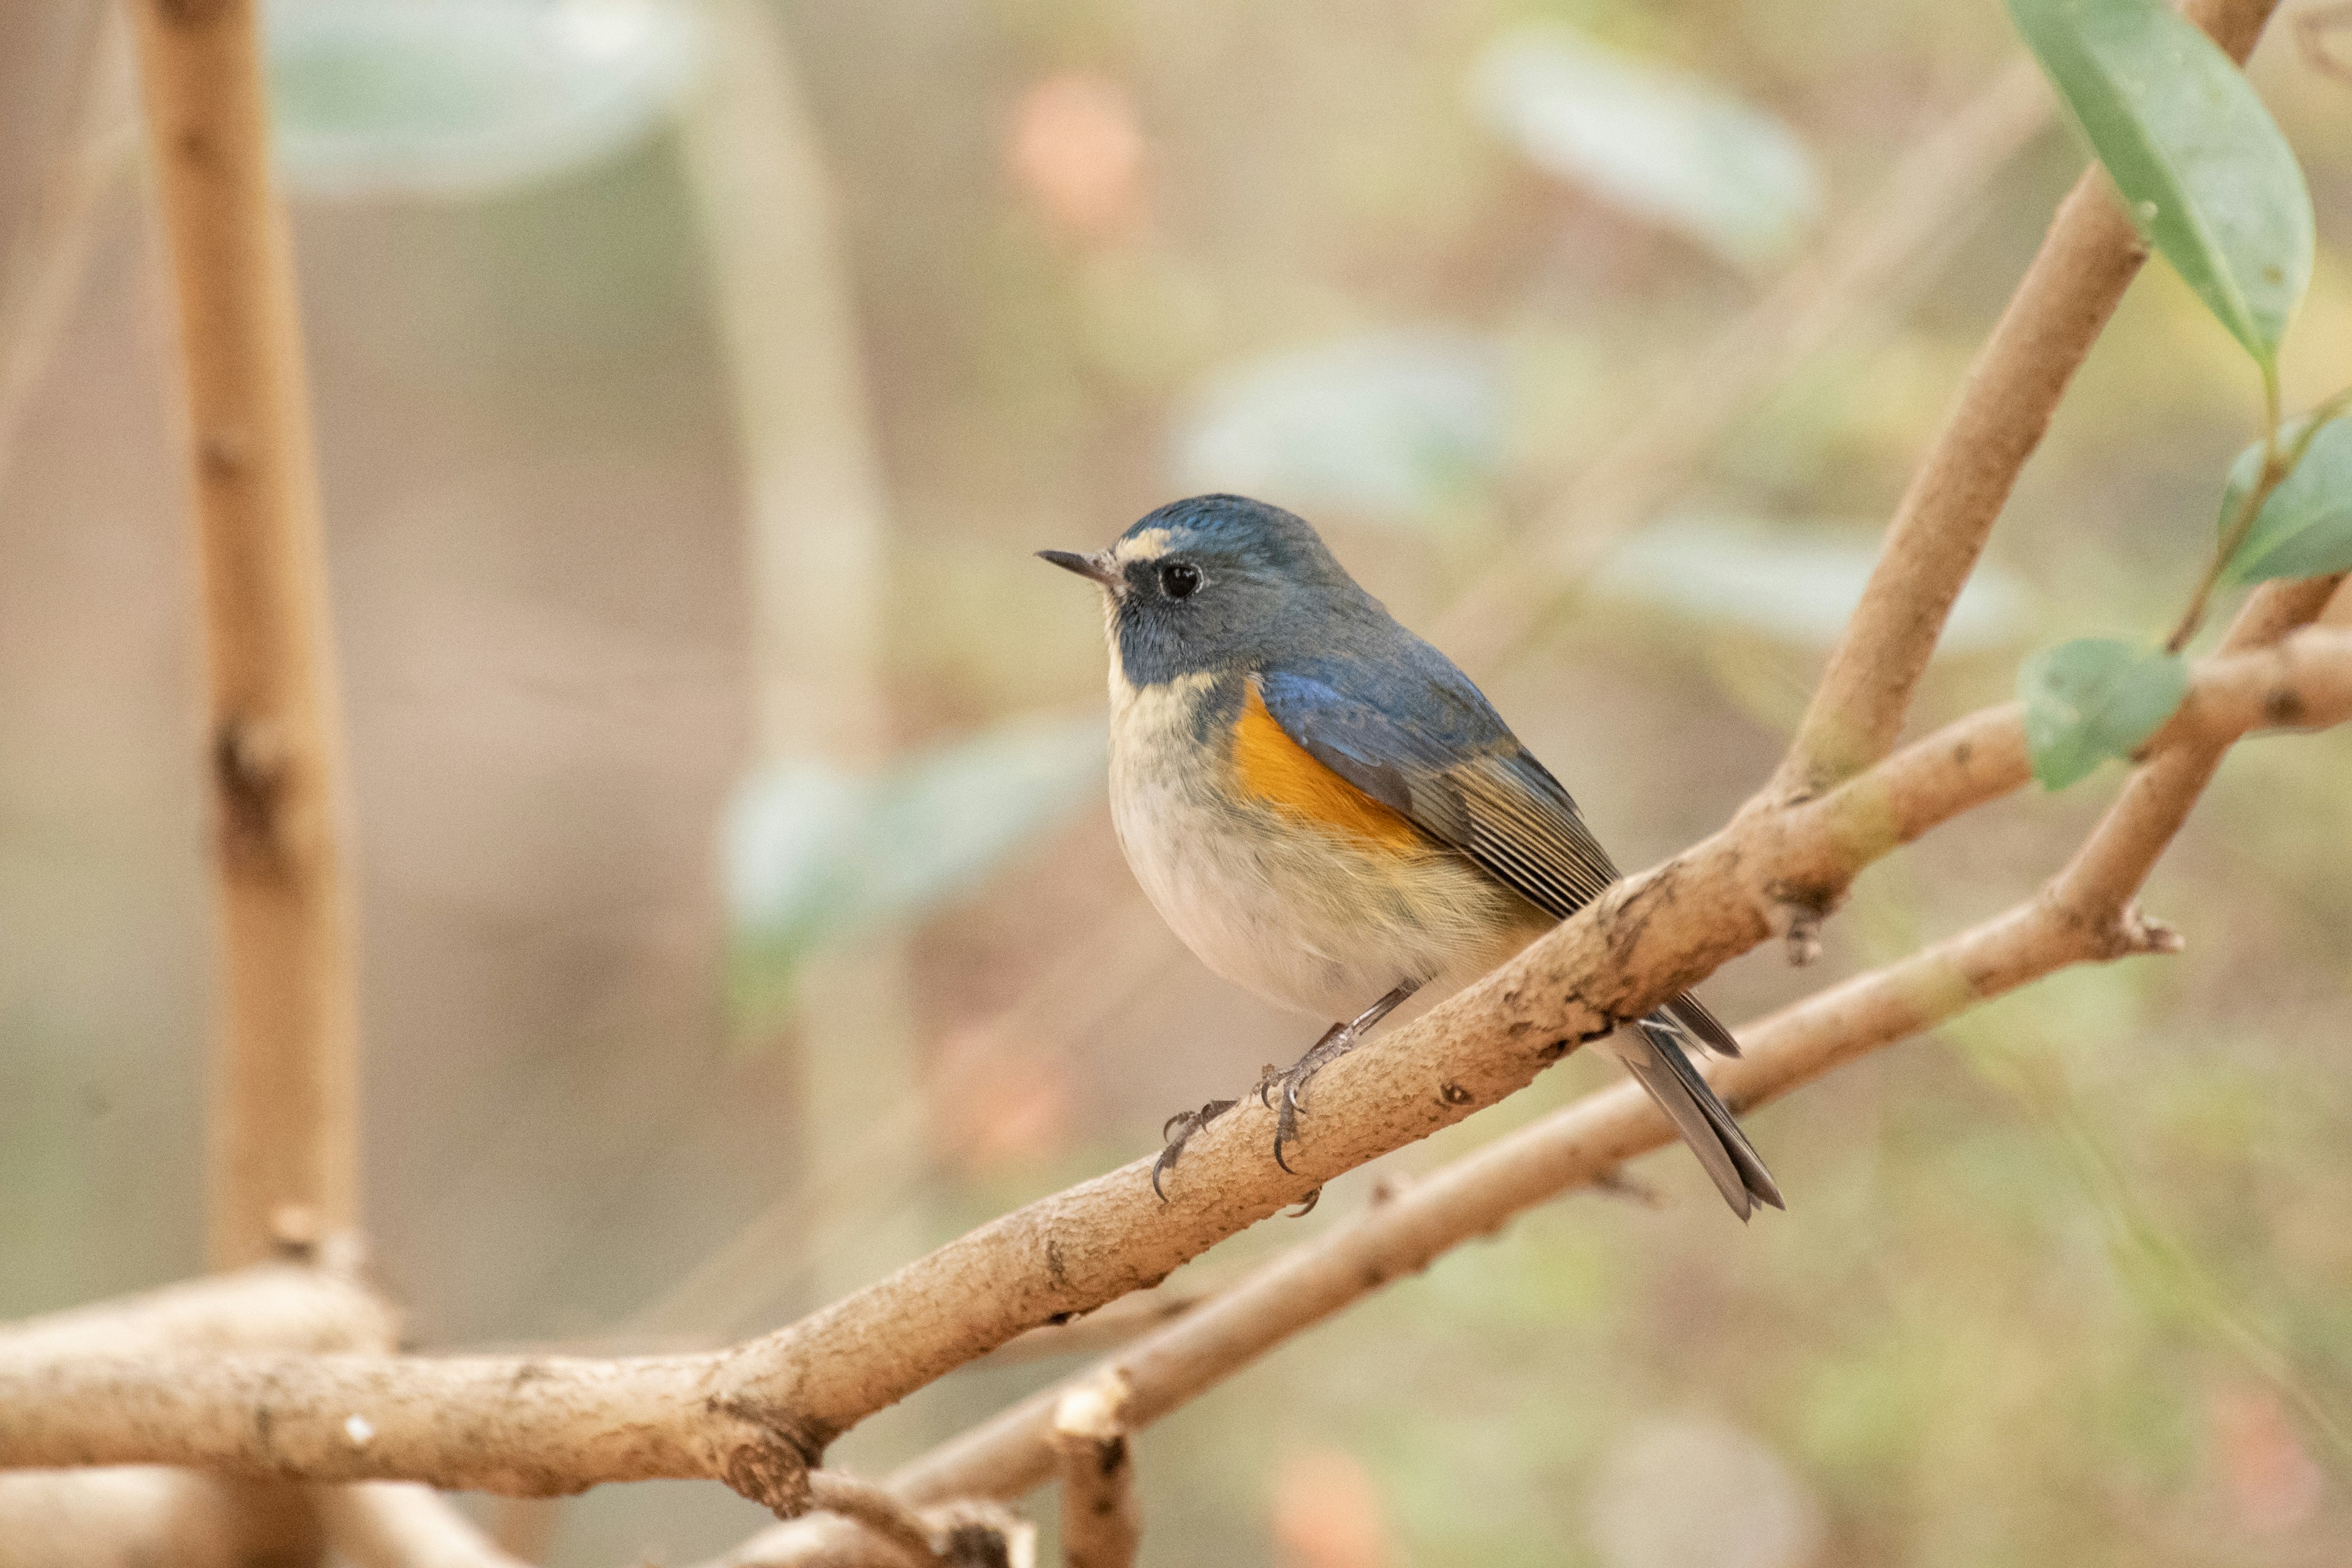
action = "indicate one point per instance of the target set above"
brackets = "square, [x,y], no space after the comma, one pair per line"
[1215,582]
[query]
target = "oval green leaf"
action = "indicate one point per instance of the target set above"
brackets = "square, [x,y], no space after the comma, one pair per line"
[2093,699]
[2200,164]
[2305,529]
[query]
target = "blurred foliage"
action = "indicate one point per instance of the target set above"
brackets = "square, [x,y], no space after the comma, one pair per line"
[2068,1285]
[373,99]
[817,855]
[1798,584]
[1660,143]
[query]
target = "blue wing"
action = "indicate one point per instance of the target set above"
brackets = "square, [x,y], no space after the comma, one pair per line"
[1419,738]
[1413,733]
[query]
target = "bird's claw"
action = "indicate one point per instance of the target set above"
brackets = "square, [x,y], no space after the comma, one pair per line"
[1177,1130]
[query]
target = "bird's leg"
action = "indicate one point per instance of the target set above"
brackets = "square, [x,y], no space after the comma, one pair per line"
[1337,1042]
[1178,1129]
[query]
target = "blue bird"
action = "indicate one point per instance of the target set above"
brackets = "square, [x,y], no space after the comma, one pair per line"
[1331,815]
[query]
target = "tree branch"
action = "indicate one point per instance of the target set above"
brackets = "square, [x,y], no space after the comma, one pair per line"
[756,1415]
[1639,471]
[2090,256]
[271,1306]
[284,1089]
[1089,1431]
[1582,1145]
[400,1524]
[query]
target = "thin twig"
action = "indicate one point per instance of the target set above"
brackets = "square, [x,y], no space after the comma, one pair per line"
[2312,26]
[2090,254]
[284,1122]
[875,1508]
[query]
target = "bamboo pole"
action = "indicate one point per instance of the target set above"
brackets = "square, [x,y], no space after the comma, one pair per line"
[282,1160]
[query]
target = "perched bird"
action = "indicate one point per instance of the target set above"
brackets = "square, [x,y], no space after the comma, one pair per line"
[1330,814]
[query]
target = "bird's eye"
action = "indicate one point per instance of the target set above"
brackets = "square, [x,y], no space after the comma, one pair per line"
[1180,579]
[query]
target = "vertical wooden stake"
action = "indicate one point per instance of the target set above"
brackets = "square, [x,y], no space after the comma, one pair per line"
[284,1103]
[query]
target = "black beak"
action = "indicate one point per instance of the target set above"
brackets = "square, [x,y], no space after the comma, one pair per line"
[1092,566]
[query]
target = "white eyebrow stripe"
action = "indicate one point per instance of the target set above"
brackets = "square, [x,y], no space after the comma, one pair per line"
[1148,546]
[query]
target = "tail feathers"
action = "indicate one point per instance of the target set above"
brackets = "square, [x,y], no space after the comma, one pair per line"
[1701,1024]
[1653,1052]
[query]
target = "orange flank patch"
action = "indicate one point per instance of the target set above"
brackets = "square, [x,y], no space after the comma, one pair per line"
[1274,768]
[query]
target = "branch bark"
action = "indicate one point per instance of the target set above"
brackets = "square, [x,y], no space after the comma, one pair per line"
[284,1093]
[272,1306]
[2090,254]
[2071,922]
[134,1517]
[1100,1528]
[754,1415]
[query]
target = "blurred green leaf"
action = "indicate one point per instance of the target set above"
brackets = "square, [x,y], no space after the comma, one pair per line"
[1795,584]
[468,97]
[2093,699]
[1392,425]
[2201,166]
[1657,143]
[2305,529]
[815,853]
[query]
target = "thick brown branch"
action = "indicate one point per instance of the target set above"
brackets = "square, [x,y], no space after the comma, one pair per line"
[755,1415]
[94,1517]
[1583,1143]
[273,1305]
[2090,256]
[534,1427]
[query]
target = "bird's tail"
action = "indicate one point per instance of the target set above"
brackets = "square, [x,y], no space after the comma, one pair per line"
[1653,1051]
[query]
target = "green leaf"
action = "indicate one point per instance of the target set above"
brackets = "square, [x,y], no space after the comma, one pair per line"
[2203,168]
[2305,529]
[2093,699]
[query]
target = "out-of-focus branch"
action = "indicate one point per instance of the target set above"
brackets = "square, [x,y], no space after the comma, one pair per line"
[756,1415]
[1933,182]
[42,282]
[140,1516]
[2090,254]
[1099,1525]
[964,1534]
[283,1121]
[1585,1143]
[271,1306]
[818,535]
[399,1524]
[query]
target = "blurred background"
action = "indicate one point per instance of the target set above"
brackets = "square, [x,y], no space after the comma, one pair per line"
[740,912]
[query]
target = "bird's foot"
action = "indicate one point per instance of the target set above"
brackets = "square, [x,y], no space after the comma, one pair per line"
[1178,1129]
[1287,1107]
